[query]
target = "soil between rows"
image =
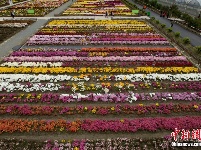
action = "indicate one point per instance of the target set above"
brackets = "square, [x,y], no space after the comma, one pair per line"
[112,90]
[43,136]
[97,117]
[105,104]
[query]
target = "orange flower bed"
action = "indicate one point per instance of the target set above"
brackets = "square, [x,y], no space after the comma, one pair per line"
[125,125]
[21,125]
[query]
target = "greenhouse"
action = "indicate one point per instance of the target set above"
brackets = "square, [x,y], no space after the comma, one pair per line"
[192,3]
[192,7]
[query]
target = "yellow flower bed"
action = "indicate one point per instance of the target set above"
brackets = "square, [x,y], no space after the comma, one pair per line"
[96,22]
[110,25]
[99,70]
[96,7]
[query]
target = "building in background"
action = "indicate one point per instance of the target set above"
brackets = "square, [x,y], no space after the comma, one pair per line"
[192,7]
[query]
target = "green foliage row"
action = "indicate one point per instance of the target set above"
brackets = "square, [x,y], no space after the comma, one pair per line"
[177,34]
[185,40]
[198,48]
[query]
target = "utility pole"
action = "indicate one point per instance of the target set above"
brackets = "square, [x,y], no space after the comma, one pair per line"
[10,2]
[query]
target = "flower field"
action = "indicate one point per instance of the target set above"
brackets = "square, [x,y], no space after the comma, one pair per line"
[110,88]
[40,8]
[5,2]
[98,8]
[9,28]
[106,32]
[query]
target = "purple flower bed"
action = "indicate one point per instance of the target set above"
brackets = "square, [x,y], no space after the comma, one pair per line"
[66,52]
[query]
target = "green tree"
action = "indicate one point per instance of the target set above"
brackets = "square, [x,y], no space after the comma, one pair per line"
[146,1]
[153,3]
[159,6]
[174,10]
[165,8]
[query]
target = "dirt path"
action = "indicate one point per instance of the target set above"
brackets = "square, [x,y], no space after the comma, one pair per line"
[59,136]
[95,117]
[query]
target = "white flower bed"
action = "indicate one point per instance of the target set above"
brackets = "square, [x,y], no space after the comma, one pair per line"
[92,59]
[9,87]
[128,77]
[17,25]
[159,77]
[39,78]
[32,64]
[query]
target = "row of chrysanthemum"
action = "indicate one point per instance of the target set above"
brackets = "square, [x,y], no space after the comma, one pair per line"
[94,22]
[138,109]
[79,53]
[118,97]
[95,77]
[94,59]
[145,70]
[88,144]
[103,87]
[98,126]
[96,64]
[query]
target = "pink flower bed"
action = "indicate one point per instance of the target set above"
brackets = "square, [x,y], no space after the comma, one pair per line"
[94,59]
[140,109]
[144,124]
[64,41]
[71,52]
[42,39]
[83,144]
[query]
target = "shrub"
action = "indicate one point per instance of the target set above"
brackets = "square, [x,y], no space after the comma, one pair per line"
[177,34]
[186,40]
[152,18]
[163,25]
[142,11]
[170,30]
[157,22]
[198,48]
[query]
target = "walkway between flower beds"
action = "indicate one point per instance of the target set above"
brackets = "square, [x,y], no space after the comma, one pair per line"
[20,38]
[194,38]
[74,17]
